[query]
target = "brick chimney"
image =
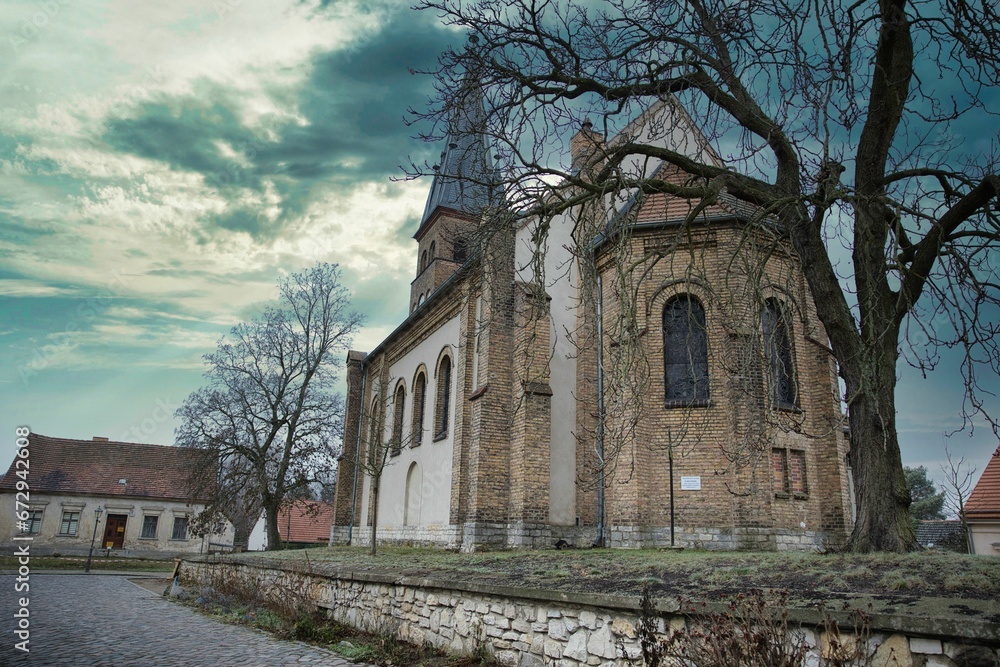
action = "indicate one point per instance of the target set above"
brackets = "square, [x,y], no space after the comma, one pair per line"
[585,146]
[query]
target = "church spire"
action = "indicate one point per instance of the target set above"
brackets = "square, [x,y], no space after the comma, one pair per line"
[465,180]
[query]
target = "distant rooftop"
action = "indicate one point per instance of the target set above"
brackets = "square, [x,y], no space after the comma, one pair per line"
[101,467]
[984,502]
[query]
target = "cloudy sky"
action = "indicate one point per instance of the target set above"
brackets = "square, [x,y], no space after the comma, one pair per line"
[163,164]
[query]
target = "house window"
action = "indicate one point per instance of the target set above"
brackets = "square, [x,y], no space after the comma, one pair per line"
[397,421]
[419,403]
[778,352]
[149,524]
[685,351]
[34,523]
[442,404]
[180,528]
[70,523]
[788,471]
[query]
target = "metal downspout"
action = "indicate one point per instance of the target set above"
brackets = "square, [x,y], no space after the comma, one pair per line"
[357,456]
[599,542]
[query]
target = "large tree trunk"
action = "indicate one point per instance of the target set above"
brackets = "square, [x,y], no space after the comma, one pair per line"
[274,542]
[883,521]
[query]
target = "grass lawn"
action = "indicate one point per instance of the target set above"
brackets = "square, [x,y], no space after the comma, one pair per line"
[674,572]
[39,563]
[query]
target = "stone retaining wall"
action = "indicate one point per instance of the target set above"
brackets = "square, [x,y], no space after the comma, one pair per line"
[529,628]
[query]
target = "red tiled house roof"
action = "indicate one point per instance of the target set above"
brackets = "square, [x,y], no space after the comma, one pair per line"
[984,503]
[308,521]
[94,468]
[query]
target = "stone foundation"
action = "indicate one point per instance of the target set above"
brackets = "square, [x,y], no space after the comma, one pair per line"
[538,628]
[482,536]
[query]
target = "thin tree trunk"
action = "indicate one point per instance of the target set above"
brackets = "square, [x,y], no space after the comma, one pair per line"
[376,484]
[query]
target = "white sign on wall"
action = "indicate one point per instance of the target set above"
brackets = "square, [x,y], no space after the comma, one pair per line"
[690,483]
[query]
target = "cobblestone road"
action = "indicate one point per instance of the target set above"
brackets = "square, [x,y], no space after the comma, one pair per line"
[79,620]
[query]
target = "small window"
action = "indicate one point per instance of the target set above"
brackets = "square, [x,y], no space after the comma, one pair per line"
[397,421]
[180,528]
[442,404]
[779,471]
[70,523]
[419,404]
[788,470]
[149,524]
[34,523]
[778,352]
[797,472]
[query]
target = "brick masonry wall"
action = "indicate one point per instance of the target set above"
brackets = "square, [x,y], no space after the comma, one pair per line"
[525,628]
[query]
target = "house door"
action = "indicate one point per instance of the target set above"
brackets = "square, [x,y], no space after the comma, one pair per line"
[114,531]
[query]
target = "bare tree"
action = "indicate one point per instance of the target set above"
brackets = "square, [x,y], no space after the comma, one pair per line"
[232,495]
[848,155]
[269,413]
[958,483]
[378,449]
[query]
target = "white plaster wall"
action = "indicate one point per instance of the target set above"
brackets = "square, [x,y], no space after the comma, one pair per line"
[560,284]
[984,536]
[433,458]
[258,536]
[53,507]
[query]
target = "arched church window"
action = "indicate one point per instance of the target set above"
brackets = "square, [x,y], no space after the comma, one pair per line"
[397,420]
[461,251]
[442,406]
[419,402]
[423,262]
[433,250]
[685,350]
[778,352]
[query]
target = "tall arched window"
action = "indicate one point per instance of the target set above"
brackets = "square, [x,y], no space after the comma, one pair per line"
[419,402]
[778,352]
[685,350]
[442,404]
[423,262]
[397,420]
[461,251]
[433,250]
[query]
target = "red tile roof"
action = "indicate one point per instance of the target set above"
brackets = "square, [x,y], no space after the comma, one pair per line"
[94,467]
[309,520]
[984,503]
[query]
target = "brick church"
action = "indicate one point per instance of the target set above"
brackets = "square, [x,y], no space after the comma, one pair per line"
[712,419]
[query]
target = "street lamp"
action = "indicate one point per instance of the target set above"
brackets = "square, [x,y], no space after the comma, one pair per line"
[97,519]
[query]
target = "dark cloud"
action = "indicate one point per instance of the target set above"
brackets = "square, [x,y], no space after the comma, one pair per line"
[354,102]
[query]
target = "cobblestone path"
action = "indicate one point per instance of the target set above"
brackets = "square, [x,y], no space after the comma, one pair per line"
[79,620]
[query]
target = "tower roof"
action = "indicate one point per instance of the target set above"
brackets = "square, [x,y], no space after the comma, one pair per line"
[466,179]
